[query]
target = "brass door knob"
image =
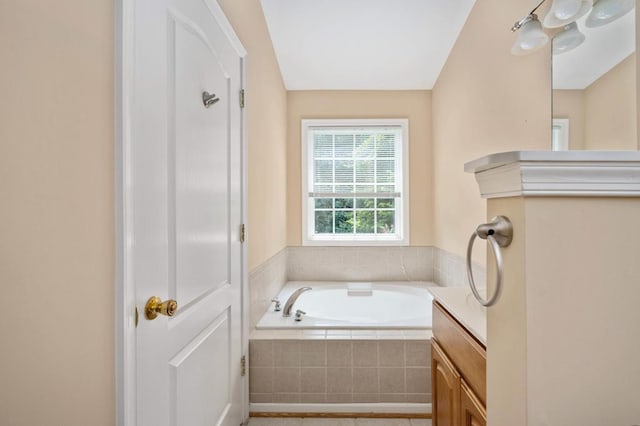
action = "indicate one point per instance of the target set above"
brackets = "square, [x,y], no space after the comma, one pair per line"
[156,306]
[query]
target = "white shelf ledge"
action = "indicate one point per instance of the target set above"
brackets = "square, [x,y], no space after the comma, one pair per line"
[558,173]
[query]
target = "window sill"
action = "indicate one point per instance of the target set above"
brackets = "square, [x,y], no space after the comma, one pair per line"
[354,243]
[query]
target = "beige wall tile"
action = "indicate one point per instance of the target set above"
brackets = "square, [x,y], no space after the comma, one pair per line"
[286,353]
[392,380]
[265,282]
[313,353]
[417,353]
[260,353]
[339,398]
[286,398]
[339,354]
[422,398]
[286,380]
[313,398]
[360,264]
[391,353]
[418,380]
[339,380]
[366,397]
[261,397]
[365,353]
[365,380]
[313,380]
[420,422]
[393,397]
[261,380]
[450,270]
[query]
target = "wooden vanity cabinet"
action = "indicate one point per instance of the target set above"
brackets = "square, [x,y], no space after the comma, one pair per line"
[472,411]
[458,373]
[445,381]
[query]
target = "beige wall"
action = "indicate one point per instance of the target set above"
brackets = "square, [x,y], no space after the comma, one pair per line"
[414,105]
[565,369]
[266,116]
[57,215]
[545,364]
[570,104]
[506,325]
[485,100]
[610,109]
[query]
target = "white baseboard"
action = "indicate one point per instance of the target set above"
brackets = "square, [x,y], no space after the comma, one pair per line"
[382,407]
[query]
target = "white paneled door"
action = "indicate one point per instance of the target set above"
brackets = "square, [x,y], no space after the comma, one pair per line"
[186,213]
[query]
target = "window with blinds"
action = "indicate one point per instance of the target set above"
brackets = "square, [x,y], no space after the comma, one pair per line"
[354,174]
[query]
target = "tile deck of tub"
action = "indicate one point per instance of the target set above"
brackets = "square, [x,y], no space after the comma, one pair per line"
[339,334]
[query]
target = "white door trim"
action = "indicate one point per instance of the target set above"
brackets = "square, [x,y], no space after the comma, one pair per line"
[125,310]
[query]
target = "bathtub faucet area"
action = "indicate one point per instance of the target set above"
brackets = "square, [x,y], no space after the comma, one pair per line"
[286,312]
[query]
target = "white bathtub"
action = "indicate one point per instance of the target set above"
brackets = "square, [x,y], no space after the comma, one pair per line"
[397,305]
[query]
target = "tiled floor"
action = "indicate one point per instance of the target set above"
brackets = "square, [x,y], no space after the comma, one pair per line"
[263,421]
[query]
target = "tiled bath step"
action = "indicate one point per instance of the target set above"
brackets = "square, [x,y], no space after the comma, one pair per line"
[340,371]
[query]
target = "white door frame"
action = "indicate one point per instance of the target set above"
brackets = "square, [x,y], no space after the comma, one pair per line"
[125,309]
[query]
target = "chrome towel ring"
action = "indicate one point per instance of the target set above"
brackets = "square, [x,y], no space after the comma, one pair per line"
[499,233]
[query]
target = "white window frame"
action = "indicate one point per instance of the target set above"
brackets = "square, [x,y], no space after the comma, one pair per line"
[562,142]
[402,217]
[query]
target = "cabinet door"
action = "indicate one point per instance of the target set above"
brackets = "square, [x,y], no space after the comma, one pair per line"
[446,388]
[472,412]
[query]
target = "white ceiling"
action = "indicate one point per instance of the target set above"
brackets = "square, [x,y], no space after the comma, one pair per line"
[604,47]
[363,44]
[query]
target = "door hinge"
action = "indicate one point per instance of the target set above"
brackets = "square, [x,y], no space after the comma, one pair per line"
[241,98]
[243,366]
[242,233]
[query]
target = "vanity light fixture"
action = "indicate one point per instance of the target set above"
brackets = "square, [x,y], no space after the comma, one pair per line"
[564,12]
[531,36]
[567,39]
[605,11]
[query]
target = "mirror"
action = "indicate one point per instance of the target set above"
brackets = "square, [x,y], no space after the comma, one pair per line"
[594,86]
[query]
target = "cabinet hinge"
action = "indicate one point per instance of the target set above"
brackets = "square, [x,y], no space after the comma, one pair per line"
[241,98]
[243,366]
[242,233]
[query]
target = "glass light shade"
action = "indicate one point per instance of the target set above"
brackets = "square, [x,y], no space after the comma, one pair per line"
[605,11]
[564,12]
[566,9]
[567,39]
[530,38]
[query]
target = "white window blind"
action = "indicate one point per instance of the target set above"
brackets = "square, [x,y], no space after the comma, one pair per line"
[355,182]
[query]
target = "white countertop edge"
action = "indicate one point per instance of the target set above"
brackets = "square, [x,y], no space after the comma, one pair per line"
[472,317]
[558,174]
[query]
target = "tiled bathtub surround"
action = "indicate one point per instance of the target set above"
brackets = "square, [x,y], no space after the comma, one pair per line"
[450,270]
[424,263]
[339,371]
[265,281]
[360,264]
